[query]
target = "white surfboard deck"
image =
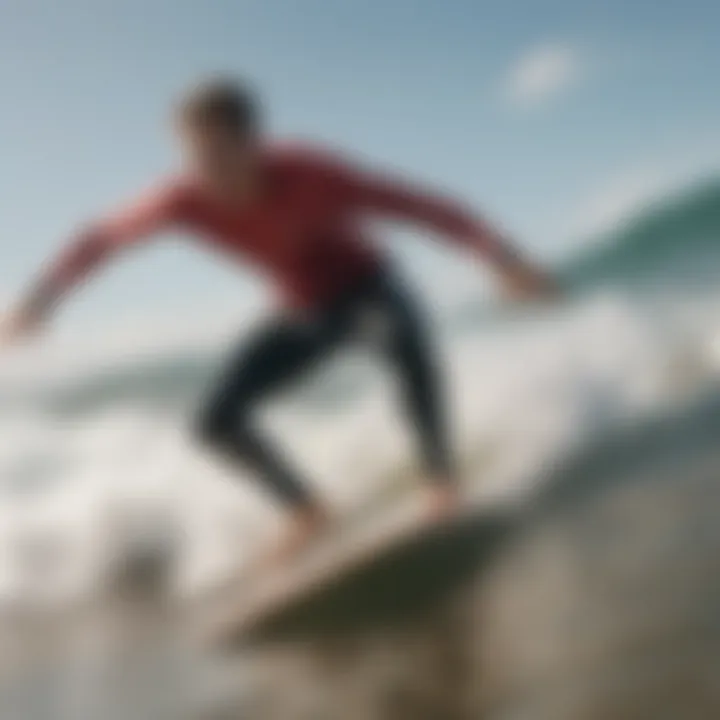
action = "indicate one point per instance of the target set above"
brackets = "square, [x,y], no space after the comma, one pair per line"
[255,600]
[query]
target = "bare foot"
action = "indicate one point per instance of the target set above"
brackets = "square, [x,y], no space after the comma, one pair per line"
[441,501]
[303,526]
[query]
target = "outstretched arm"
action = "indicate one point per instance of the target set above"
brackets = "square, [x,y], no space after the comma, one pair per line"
[86,252]
[399,199]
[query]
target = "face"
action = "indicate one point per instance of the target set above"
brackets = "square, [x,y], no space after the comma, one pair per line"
[219,157]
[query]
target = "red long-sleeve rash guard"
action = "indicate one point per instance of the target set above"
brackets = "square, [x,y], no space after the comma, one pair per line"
[304,229]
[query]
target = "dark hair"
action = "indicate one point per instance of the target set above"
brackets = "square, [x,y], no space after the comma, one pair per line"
[222,101]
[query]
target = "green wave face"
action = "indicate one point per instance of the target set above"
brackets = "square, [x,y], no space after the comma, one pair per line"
[677,238]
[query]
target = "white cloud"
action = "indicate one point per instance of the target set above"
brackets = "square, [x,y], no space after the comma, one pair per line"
[542,73]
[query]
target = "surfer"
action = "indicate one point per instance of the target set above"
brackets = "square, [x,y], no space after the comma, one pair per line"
[294,213]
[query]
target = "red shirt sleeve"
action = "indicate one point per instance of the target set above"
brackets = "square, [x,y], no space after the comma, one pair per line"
[151,213]
[396,198]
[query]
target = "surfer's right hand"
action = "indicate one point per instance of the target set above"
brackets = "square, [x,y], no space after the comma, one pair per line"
[17,326]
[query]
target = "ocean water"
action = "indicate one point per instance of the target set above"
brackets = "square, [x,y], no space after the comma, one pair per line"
[98,468]
[96,460]
[97,465]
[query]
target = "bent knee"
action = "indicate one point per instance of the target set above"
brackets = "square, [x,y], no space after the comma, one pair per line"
[215,425]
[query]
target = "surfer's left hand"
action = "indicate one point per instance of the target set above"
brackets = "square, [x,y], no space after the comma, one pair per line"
[525,283]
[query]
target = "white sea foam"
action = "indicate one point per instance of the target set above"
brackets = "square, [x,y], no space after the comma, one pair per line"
[79,488]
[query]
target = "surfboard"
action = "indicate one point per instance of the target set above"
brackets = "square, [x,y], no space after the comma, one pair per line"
[371,574]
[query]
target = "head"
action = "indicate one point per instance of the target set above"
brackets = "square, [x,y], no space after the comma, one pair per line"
[219,127]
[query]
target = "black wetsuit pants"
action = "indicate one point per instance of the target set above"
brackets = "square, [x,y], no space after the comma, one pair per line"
[287,347]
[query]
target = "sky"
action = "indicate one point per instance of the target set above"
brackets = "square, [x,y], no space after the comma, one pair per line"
[556,117]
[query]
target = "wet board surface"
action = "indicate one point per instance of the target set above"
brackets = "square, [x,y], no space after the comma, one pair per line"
[372,574]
